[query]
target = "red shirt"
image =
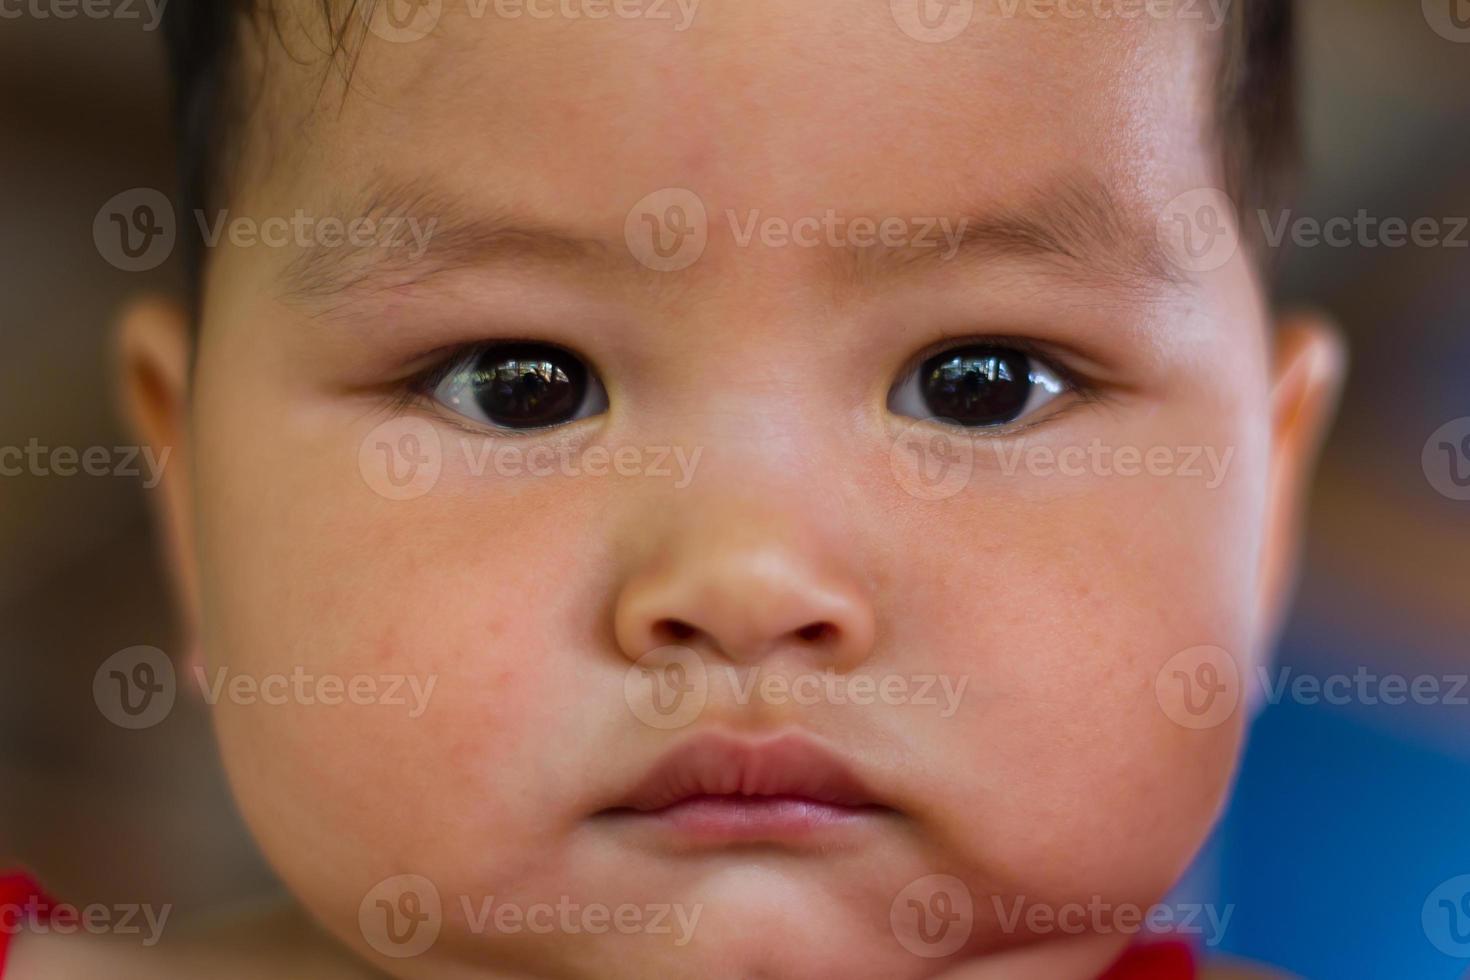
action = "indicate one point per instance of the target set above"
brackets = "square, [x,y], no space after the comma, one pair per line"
[21,901]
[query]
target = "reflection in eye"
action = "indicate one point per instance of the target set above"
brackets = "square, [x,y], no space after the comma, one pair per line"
[976,386]
[521,386]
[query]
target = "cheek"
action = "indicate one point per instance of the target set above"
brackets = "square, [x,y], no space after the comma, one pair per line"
[1062,599]
[439,602]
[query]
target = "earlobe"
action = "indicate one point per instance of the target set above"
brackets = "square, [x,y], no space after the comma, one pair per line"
[1309,362]
[154,350]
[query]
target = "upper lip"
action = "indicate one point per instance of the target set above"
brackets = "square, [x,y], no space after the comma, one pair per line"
[788,766]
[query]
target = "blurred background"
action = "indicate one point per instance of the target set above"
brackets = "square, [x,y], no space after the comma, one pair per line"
[1347,817]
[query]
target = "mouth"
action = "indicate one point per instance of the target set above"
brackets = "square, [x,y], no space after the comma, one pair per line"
[722,790]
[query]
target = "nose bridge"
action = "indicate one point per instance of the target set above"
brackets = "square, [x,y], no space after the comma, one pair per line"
[746,569]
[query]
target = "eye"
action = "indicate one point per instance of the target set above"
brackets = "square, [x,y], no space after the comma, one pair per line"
[520,386]
[976,386]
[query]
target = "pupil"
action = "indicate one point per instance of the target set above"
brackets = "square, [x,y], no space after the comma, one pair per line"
[528,385]
[977,385]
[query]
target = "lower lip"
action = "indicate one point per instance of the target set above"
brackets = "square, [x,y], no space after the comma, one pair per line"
[734,819]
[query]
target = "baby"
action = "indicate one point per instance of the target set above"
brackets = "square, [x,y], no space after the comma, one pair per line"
[722,489]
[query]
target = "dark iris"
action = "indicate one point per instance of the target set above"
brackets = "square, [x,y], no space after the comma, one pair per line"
[527,385]
[976,385]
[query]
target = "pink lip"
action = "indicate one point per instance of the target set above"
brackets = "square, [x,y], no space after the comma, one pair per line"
[721,789]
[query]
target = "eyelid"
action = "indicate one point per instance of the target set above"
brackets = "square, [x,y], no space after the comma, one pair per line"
[423,386]
[1045,353]
[1067,381]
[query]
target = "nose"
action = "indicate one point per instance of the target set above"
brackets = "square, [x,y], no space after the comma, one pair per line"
[746,589]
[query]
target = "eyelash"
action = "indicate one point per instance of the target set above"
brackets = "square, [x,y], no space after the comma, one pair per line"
[419,387]
[1074,380]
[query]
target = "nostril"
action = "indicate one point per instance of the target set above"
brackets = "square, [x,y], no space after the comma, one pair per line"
[817,632]
[673,630]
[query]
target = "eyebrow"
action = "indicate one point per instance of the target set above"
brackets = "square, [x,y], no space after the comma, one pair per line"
[1076,226]
[457,237]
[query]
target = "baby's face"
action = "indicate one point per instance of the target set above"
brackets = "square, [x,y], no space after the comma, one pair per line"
[931,647]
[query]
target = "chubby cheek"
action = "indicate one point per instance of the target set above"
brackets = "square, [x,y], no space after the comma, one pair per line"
[451,617]
[1069,602]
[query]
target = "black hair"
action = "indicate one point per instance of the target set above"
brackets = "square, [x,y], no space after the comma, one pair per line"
[1256,104]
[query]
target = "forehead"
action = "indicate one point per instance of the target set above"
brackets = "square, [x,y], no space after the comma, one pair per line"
[754,103]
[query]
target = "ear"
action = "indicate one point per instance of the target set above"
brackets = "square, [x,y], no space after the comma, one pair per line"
[154,349]
[1309,361]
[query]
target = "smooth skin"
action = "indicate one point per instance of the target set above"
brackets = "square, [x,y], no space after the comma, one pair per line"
[1060,779]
